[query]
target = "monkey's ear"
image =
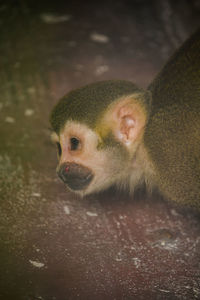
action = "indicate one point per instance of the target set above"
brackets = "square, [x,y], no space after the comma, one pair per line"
[129,117]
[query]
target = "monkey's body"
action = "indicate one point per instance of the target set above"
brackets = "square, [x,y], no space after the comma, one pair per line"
[172,136]
[113,133]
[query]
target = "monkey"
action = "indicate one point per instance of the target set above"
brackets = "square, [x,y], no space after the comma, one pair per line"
[115,133]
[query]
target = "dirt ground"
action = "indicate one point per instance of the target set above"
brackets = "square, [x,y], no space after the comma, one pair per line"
[54,245]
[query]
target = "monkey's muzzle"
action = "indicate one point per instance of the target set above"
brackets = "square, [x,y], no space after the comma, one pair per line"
[75,176]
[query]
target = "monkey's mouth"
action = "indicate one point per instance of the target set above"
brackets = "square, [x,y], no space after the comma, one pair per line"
[75,176]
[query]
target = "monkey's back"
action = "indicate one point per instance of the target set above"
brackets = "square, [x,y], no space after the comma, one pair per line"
[173,133]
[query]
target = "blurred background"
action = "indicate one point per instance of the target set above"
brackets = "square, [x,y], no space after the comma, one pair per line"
[55,246]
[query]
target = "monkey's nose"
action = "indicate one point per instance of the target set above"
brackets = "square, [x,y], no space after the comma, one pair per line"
[77,177]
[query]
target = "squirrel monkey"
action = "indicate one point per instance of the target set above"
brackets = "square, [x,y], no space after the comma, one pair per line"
[113,132]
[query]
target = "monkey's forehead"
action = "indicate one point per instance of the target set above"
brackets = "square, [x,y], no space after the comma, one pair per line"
[87,103]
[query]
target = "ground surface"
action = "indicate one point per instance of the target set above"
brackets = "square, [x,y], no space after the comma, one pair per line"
[53,245]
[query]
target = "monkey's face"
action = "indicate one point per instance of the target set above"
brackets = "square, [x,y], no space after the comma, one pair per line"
[83,165]
[98,148]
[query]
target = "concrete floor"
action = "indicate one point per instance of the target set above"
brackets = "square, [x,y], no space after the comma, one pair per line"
[55,246]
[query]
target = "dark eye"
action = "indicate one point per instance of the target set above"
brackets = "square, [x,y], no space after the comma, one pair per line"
[59,148]
[74,144]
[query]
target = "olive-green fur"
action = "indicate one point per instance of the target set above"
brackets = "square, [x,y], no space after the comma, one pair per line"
[109,141]
[172,136]
[87,103]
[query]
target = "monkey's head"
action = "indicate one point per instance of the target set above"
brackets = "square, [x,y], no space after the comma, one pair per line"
[98,129]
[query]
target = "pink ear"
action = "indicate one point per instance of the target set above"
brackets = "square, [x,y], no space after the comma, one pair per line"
[127,128]
[130,120]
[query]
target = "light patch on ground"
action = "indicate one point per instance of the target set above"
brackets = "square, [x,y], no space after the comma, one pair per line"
[119,256]
[91,214]
[53,19]
[101,70]
[36,264]
[36,194]
[31,90]
[137,262]
[99,38]
[66,210]
[29,112]
[10,120]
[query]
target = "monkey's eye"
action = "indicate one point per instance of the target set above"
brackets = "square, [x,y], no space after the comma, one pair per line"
[59,148]
[74,144]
